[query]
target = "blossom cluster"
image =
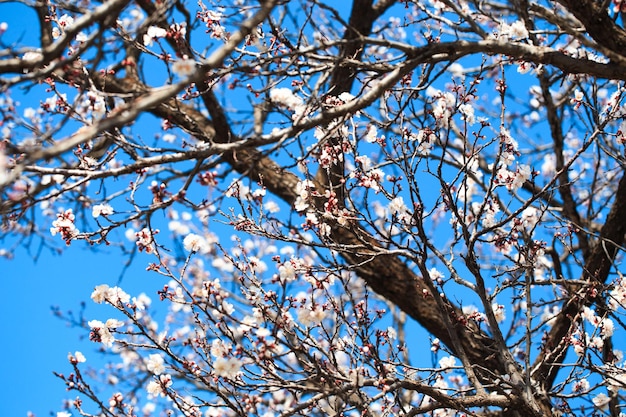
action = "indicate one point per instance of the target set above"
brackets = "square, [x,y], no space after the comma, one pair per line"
[64,226]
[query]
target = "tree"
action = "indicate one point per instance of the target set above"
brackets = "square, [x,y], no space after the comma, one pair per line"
[332,177]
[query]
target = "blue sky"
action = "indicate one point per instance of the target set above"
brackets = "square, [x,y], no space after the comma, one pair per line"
[34,342]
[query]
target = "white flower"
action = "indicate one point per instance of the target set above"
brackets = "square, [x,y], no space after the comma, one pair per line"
[144,240]
[102,329]
[66,20]
[196,243]
[578,96]
[271,206]
[581,385]
[96,103]
[467,110]
[142,301]
[117,295]
[620,136]
[447,362]
[81,37]
[607,327]
[397,206]
[178,228]
[372,134]
[285,97]
[311,316]
[509,147]
[155,388]
[345,97]
[184,67]
[300,204]
[518,30]
[99,294]
[213,15]
[303,189]
[153,33]
[523,173]
[287,272]
[78,355]
[95,324]
[590,315]
[228,308]
[513,180]
[227,367]
[155,364]
[76,358]
[457,70]
[169,138]
[498,312]
[113,323]
[103,209]
[426,139]
[219,348]
[325,229]
[4,168]
[30,113]
[523,67]
[530,217]
[548,167]
[435,274]
[618,295]
[64,225]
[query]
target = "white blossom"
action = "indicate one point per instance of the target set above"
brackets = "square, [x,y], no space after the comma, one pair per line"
[498,312]
[447,362]
[581,385]
[219,348]
[196,243]
[310,316]
[155,364]
[372,134]
[99,294]
[227,367]
[287,272]
[154,32]
[398,208]
[103,209]
[77,357]
[285,97]
[156,388]
[518,30]
[467,110]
